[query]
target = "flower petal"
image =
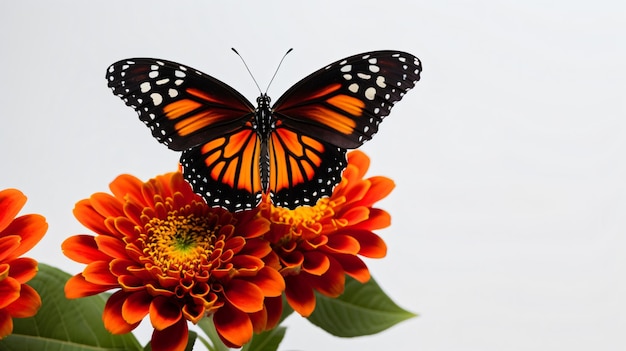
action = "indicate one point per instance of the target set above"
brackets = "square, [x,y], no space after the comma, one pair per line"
[233,326]
[136,306]
[77,287]
[23,269]
[83,249]
[89,217]
[371,245]
[98,273]
[129,187]
[360,160]
[6,323]
[380,187]
[299,294]
[315,263]
[378,219]
[9,291]
[332,282]
[269,281]
[30,228]
[244,295]
[8,245]
[112,316]
[164,313]
[11,202]
[173,338]
[354,267]
[26,305]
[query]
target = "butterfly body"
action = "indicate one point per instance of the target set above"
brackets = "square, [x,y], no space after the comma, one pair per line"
[293,150]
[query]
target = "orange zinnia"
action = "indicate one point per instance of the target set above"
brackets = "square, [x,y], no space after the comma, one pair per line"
[174,258]
[314,247]
[17,236]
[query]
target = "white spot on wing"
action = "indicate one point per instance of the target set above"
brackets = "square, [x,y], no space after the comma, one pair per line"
[157,99]
[353,87]
[380,81]
[145,87]
[370,93]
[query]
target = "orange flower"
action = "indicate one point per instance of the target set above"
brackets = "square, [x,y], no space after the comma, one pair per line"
[17,236]
[314,247]
[175,259]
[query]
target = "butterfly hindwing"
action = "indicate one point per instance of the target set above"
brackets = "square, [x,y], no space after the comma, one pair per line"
[182,106]
[302,169]
[344,102]
[225,170]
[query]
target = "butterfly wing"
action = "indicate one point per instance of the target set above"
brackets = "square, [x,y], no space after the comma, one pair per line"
[182,106]
[344,102]
[336,108]
[225,170]
[195,113]
[302,169]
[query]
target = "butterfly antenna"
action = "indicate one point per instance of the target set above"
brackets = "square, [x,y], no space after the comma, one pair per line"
[280,63]
[244,63]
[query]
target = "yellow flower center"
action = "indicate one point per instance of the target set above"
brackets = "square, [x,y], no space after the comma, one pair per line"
[306,222]
[180,243]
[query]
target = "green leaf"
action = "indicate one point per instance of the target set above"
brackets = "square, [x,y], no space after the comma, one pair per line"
[266,341]
[363,309]
[62,324]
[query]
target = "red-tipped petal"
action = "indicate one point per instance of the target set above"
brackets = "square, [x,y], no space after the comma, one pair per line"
[31,228]
[173,338]
[233,326]
[270,281]
[26,305]
[77,287]
[244,295]
[9,291]
[300,295]
[23,269]
[136,306]
[83,249]
[6,323]
[378,219]
[11,202]
[371,244]
[354,267]
[164,313]
[8,245]
[315,263]
[89,217]
[112,316]
[98,273]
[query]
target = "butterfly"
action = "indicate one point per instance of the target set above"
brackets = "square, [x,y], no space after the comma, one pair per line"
[293,150]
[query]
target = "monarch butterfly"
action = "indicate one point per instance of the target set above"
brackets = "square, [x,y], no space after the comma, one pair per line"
[295,150]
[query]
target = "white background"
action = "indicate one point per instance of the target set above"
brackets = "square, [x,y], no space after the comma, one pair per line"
[508,216]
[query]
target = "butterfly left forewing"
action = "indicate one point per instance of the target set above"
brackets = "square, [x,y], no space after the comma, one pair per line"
[182,106]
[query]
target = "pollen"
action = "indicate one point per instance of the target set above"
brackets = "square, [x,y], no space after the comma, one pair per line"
[180,243]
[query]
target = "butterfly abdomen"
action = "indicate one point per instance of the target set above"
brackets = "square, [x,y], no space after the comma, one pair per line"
[264,125]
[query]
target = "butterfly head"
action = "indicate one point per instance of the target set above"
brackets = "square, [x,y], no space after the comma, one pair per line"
[263,100]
